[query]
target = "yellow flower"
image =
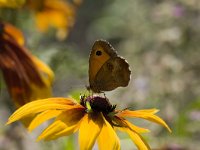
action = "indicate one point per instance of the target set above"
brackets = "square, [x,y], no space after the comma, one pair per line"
[8,31]
[54,13]
[27,78]
[12,3]
[94,117]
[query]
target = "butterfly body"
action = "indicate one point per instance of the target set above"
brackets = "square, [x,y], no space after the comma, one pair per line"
[107,70]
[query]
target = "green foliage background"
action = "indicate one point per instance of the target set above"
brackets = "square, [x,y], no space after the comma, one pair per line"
[160,39]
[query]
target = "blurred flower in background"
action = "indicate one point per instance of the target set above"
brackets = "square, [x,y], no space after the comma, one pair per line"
[93,113]
[12,3]
[58,14]
[27,78]
[159,39]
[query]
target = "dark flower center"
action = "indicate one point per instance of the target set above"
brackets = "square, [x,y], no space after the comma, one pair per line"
[98,104]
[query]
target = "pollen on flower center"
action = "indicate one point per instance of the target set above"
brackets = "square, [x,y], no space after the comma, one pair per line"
[98,104]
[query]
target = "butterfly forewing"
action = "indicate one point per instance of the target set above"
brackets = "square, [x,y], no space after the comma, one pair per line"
[107,70]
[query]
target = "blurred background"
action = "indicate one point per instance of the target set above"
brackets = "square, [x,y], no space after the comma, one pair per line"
[159,38]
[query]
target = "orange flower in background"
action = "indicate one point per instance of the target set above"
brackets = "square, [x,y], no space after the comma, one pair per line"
[94,117]
[12,3]
[27,78]
[54,13]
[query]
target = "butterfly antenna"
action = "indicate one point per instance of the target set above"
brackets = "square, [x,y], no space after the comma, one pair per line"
[127,108]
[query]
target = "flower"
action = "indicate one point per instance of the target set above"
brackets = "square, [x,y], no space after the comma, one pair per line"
[12,3]
[93,113]
[58,14]
[27,78]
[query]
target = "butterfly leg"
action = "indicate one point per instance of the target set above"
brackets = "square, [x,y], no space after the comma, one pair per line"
[104,95]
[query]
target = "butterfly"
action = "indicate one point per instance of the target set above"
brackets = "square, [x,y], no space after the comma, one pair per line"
[107,70]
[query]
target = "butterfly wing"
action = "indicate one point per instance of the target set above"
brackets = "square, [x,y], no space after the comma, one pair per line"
[107,70]
[100,53]
[114,73]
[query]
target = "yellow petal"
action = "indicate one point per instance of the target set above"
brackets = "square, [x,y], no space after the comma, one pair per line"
[107,139]
[71,118]
[152,111]
[14,32]
[123,123]
[38,92]
[136,128]
[42,105]
[27,120]
[138,140]
[89,130]
[144,114]
[41,21]
[47,77]
[42,117]
[158,120]
[66,123]
[57,14]
[46,72]
[65,132]
[137,112]
[55,127]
